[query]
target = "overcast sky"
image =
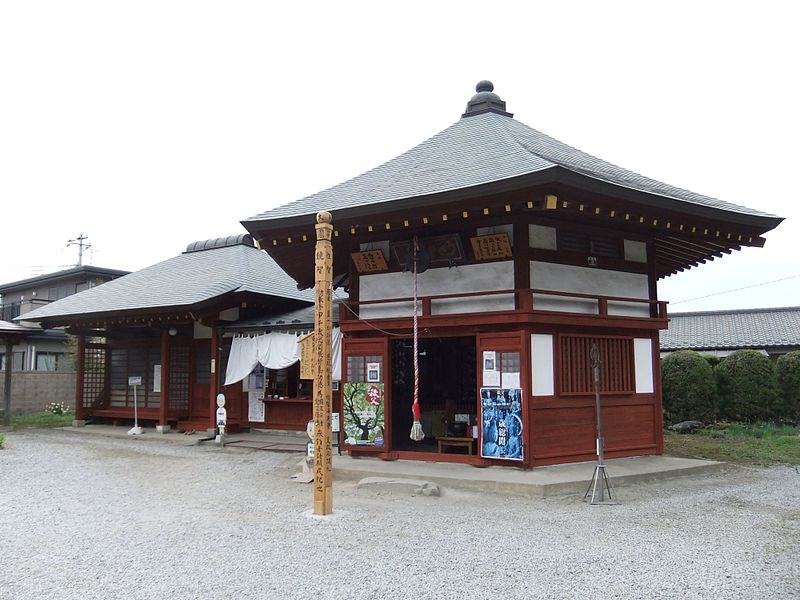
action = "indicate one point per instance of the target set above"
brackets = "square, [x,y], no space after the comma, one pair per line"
[149,125]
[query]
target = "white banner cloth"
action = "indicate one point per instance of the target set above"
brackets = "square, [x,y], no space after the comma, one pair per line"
[274,351]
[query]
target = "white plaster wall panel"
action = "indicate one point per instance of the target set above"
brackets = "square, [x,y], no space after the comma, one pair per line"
[643,361]
[382,246]
[584,306]
[507,229]
[467,278]
[635,251]
[628,309]
[542,365]
[389,309]
[586,280]
[491,303]
[201,332]
[542,237]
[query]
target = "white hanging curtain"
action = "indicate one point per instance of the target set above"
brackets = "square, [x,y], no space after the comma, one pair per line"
[336,354]
[278,350]
[243,358]
[274,351]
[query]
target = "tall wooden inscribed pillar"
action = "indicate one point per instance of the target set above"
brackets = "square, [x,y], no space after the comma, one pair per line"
[323,281]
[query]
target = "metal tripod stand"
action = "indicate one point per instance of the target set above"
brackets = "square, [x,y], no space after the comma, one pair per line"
[600,485]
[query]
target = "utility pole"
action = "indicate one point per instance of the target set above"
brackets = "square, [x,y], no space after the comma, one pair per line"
[82,245]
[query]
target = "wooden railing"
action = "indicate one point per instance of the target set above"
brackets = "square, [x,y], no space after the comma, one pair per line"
[523,301]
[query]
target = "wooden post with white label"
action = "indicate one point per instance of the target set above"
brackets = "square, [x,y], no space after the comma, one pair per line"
[323,284]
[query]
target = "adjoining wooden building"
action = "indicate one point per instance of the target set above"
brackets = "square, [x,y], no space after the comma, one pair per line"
[528,254]
[166,324]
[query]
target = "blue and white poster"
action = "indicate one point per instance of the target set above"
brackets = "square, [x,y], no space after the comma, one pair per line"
[501,431]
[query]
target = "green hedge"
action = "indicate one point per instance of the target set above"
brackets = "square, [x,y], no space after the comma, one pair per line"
[787,372]
[689,389]
[747,387]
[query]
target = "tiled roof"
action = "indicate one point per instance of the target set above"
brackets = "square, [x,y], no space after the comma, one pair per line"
[301,317]
[182,281]
[482,149]
[755,328]
[7,327]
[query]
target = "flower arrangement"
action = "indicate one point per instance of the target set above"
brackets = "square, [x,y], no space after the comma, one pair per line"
[56,408]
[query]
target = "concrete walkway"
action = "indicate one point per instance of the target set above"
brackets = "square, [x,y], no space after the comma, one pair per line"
[537,482]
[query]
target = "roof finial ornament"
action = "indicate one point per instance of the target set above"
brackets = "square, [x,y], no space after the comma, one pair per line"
[485,100]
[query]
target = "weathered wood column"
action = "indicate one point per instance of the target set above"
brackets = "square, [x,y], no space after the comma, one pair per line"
[80,367]
[164,406]
[323,280]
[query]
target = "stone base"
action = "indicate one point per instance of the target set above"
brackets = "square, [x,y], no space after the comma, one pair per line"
[163,428]
[78,423]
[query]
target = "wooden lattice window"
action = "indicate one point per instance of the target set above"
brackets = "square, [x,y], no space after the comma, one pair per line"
[357,368]
[616,364]
[94,375]
[179,377]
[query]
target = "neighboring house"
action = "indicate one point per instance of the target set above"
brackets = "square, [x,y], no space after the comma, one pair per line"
[529,254]
[772,331]
[163,324]
[46,350]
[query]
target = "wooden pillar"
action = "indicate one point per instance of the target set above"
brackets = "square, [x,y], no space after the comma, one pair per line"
[521,253]
[80,366]
[9,368]
[164,406]
[213,384]
[323,281]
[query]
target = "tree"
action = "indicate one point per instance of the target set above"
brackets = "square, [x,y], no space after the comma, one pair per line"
[689,387]
[747,386]
[787,372]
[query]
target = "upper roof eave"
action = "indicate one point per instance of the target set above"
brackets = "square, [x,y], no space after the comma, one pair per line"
[552,175]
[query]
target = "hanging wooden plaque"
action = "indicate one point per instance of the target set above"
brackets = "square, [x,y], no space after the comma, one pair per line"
[308,364]
[488,247]
[370,261]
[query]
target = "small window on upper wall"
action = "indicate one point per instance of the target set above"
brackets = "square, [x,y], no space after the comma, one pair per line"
[607,247]
[591,245]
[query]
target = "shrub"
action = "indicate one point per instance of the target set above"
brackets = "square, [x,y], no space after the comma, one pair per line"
[747,387]
[689,387]
[2,439]
[787,373]
[711,359]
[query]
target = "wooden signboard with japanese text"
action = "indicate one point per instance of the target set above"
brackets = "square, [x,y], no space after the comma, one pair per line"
[489,247]
[308,363]
[370,261]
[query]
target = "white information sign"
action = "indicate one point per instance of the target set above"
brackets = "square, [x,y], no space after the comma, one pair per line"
[134,381]
[491,374]
[510,380]
[157,378]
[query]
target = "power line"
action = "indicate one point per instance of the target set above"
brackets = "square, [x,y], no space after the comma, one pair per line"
[747,287]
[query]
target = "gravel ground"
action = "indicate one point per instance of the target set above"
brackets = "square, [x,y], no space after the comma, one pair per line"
[92,517]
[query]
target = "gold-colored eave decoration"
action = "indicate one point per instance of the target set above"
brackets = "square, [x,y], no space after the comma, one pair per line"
[547,202]
[717,234]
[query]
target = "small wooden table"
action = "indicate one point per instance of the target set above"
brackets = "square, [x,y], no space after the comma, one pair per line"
[457,442]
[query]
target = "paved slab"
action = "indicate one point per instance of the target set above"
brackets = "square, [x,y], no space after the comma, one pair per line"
[539,482]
